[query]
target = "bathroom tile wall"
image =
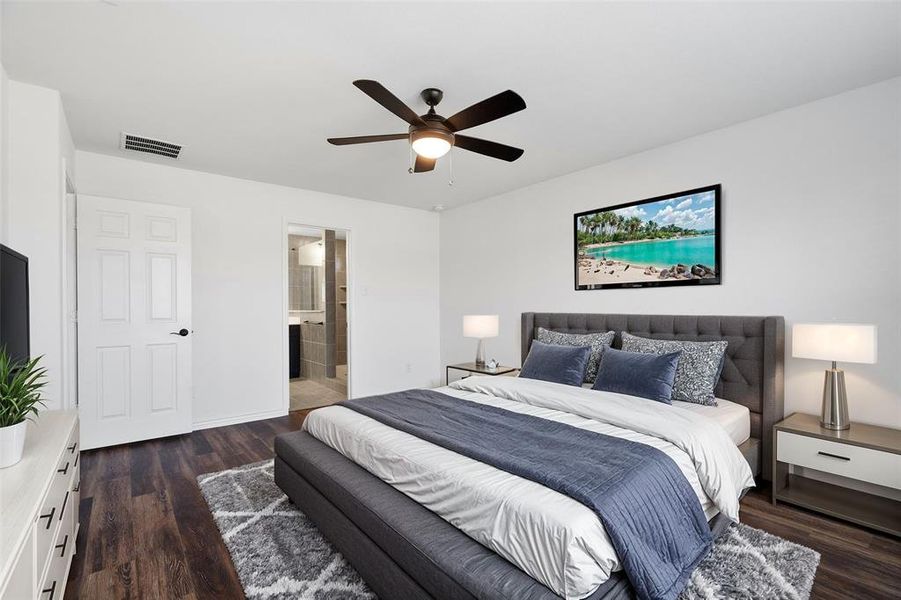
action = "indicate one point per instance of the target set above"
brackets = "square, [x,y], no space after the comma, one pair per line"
[341,308]
[312,351]
[330,303]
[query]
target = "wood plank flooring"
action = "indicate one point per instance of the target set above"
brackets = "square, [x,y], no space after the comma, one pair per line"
[146,531]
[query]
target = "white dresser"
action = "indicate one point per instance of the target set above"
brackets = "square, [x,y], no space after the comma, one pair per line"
[39,499]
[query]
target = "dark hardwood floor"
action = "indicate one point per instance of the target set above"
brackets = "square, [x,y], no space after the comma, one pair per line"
[146,531]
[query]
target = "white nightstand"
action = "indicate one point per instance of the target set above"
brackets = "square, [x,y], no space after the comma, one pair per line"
[863,453]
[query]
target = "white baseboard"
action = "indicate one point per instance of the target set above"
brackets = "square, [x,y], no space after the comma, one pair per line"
[235,420]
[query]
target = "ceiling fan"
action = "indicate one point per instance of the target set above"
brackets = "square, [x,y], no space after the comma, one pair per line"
[432,135]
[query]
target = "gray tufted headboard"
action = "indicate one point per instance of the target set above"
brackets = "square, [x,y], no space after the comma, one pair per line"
[752,374]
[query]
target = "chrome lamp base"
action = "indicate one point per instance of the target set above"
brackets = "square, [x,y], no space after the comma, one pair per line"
[835,401]
[480,355]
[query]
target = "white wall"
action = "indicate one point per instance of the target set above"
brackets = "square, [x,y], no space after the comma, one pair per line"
[239,256]
[4,155]
[4,144]
[38,141]
[810,222]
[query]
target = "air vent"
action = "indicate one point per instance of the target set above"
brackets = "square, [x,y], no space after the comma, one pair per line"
[136,143]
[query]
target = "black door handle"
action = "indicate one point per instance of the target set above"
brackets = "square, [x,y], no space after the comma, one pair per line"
[182,332]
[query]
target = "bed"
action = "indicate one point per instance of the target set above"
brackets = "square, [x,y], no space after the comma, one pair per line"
[752,374]
[404,550]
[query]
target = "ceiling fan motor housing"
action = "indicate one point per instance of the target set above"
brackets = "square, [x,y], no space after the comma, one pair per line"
[434,128]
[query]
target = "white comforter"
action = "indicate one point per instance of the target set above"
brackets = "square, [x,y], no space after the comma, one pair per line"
[555,539]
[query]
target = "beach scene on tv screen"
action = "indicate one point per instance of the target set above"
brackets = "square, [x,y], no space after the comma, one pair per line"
[667,240]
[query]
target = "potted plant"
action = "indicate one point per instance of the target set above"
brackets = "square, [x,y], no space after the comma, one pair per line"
[20,395]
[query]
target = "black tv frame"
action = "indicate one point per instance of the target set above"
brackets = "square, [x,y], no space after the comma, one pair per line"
[23,258]
[717,243]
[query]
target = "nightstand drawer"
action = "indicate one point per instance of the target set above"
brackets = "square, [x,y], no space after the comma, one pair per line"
[855,462]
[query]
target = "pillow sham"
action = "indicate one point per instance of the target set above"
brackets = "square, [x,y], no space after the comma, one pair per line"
[557,364]
[699,366]
[639,374]
[598,342]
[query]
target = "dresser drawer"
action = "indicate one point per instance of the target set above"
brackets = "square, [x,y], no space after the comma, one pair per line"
[54,581]
[855,462]
[57,502]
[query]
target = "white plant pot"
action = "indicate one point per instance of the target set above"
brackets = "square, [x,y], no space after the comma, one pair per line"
[12,442]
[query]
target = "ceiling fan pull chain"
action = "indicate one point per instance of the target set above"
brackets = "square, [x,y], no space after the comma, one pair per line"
[412,160]
[450,163]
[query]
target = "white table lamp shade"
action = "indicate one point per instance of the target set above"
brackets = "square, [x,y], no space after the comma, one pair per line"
[834,342]
[480,326]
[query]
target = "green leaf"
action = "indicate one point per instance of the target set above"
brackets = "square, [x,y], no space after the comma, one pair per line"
[21,385]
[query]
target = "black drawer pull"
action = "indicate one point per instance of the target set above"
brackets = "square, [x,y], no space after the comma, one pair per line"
[77,456]
[834,456]
[50,590]
[62,552]
[49,517]
[71,448]
[63,509]
[64,470]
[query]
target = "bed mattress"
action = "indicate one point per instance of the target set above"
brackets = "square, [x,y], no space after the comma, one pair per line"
[556,540]
[733,417]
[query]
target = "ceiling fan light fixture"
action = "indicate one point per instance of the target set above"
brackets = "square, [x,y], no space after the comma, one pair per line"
[431,144]
[432,136]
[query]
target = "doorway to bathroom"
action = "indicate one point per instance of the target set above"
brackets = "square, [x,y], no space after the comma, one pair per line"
[318,316]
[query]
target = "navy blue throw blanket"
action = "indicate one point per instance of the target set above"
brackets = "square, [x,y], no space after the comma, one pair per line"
[650,511]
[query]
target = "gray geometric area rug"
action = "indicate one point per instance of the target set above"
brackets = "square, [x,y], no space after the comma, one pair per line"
[279,553]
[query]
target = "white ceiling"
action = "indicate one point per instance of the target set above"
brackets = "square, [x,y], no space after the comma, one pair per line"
[253,89]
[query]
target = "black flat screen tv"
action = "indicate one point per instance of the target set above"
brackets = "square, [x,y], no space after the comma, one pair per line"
[663,241]
[14,334]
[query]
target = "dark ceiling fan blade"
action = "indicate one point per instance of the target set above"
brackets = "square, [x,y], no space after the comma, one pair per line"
[380,94]
[492,149]
[423,164]
[501,105]
[365,139]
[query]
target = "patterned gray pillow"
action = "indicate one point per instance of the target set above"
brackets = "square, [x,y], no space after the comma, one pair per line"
[699,366]
[596,341]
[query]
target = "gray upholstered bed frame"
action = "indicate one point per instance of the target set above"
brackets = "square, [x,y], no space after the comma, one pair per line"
[752,373]
[406,552]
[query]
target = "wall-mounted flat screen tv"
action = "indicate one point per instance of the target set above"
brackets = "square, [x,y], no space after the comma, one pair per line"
[663,241]
[14,304]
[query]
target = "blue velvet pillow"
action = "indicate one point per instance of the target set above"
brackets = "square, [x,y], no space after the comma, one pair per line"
[557,364]
[648,376]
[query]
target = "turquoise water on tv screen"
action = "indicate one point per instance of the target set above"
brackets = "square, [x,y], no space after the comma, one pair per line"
[662,253]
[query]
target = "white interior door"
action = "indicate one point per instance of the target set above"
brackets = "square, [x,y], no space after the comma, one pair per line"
[134,320]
